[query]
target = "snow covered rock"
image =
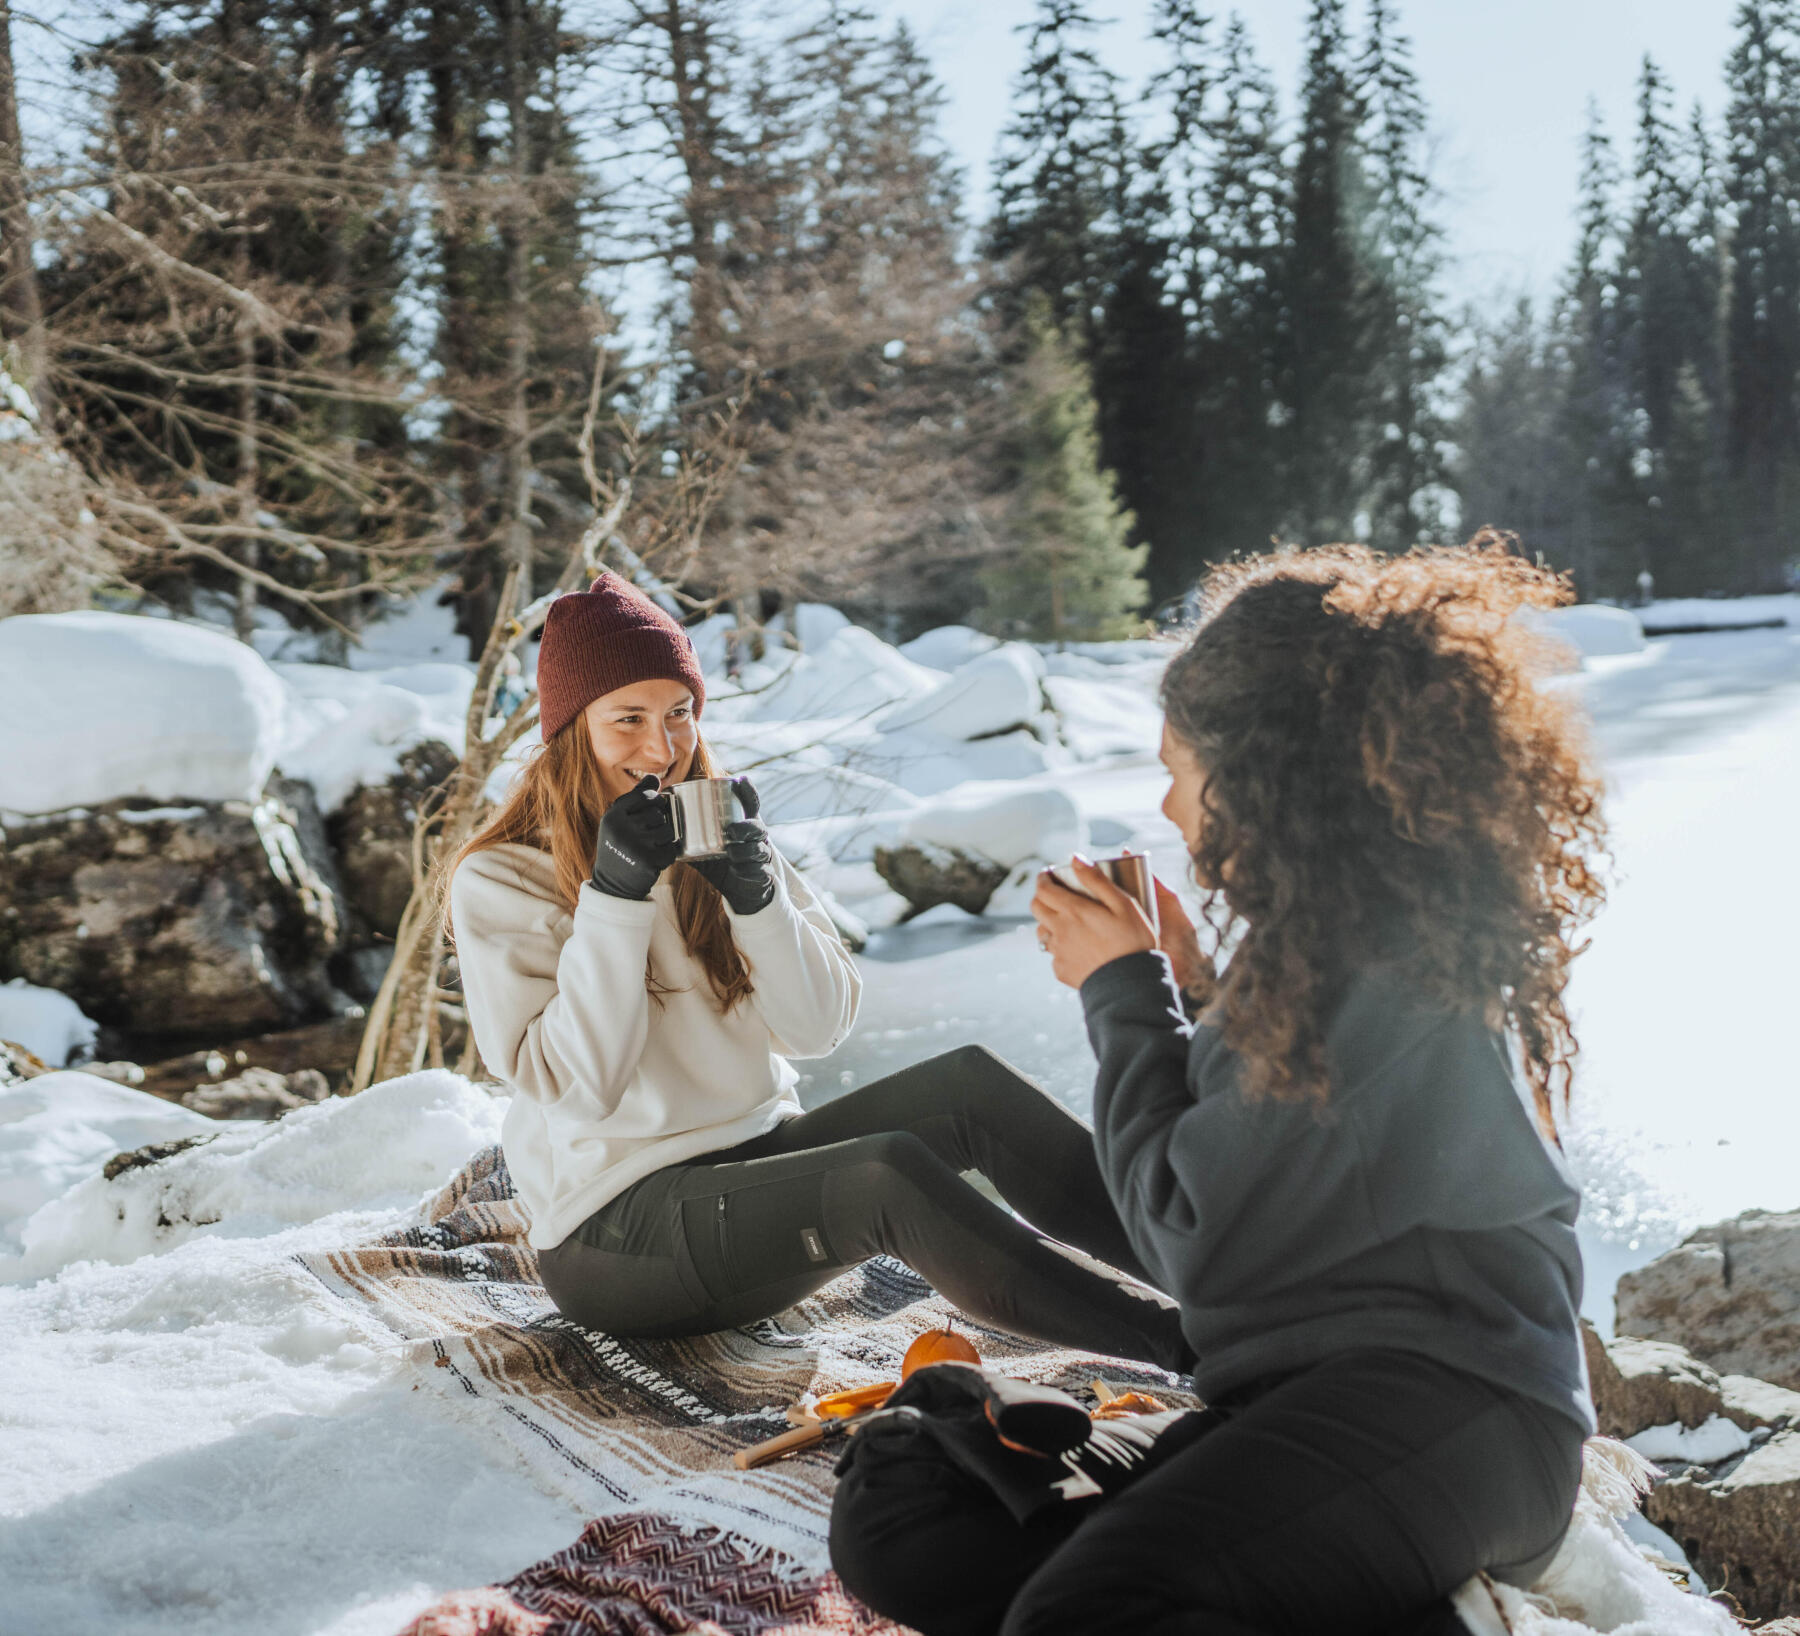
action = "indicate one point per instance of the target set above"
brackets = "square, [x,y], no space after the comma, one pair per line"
[854,674]
[49,1025]
[1638,1383]
[58,1128]
[352,729]
[372,832]
[1739,1527]
[101,706]
[990,694]
[949,646]
[216,916]
[927,876]
[386,1147]
[965,846]
[1729,1293]
[1001,822]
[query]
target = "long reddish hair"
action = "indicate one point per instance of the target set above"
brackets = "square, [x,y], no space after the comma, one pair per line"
[556,805]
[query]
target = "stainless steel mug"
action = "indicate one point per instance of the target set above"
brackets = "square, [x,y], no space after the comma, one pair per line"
[1130,872]
[701,808]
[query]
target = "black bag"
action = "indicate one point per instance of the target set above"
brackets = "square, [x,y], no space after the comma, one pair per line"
[1032,1446]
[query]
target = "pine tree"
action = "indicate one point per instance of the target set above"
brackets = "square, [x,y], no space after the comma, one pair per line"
[1057,179]
[1762,341]
[1233,214]
[1325,378]
[1596,432]
[1070,573]
[1508,434]
[1401,252]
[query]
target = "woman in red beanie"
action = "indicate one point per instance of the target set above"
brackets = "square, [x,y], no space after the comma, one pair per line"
[643,1009]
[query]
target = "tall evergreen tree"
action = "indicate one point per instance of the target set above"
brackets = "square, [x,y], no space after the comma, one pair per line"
[1233,209]
[1762,345]
[1058,176]
[1596,429]
[1070,572]
[1325,377]
[1401,252]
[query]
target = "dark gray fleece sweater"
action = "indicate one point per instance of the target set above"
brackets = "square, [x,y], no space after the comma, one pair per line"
[1419,1210]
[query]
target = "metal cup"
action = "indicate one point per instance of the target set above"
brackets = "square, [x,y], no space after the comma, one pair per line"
[1130,872]
[701,808]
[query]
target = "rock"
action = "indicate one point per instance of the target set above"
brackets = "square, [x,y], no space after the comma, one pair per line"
[155,1153]
[210,917]
[929,875]
[1741,1528]
[327,1047]
[1752,1403]
[259,1093]
[372,833]
[1638,1384]
[1729,1293]
[16,1063]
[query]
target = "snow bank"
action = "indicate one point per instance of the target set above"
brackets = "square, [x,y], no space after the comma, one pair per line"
[350,727]
[1102,717]
[948,647]
[1592,629]
[381,1149]
[853,674]
[989,694]
[1720,613]
[58,1129]
[104,705]
[48,1024]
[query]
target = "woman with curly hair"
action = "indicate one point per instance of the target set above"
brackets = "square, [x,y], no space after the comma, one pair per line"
[1338,1153]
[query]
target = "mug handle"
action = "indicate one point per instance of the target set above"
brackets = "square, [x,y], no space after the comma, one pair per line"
[675,816]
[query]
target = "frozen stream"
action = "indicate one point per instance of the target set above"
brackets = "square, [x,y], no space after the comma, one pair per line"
[1688,1091]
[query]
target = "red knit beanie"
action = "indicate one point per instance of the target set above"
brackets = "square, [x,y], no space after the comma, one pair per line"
[608,636]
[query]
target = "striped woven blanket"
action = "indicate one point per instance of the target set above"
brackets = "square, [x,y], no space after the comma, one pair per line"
[640,1434]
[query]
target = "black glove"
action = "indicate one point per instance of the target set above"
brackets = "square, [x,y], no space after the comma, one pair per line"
[636,843]
[745,872]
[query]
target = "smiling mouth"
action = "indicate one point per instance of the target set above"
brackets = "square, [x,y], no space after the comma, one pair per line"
[638,774]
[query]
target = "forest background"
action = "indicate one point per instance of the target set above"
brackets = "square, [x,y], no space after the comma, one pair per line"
[306,303]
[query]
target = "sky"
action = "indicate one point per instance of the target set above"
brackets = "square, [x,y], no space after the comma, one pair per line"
[1507,85]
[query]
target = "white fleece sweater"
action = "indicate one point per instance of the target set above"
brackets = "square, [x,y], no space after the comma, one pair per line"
[608,1083]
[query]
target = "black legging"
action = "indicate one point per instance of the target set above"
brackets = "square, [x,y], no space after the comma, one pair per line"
[744,1233]
[1345,1500]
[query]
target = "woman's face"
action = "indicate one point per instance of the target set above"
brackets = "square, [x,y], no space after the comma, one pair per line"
[645,728]
[1187,784]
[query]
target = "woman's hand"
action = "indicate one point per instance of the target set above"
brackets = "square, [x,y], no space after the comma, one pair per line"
[635,843]
[745,873]
[1195,974]
[1083,933]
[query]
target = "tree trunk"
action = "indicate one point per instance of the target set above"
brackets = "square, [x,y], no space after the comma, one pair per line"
[249,552]
[21,297]
[518,312]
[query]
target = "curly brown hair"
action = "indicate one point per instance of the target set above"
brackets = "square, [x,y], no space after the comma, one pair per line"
[1388,781]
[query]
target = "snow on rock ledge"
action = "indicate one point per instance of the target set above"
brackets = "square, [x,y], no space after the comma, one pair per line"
[386,1148]
[104,705]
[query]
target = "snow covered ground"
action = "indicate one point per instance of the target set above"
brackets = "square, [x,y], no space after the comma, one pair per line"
[193,1438]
